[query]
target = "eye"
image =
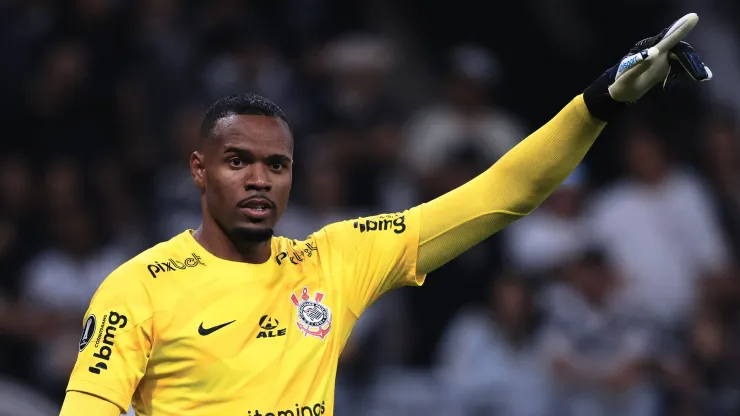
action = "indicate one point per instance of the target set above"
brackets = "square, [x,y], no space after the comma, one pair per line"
[277,166]
[235,162]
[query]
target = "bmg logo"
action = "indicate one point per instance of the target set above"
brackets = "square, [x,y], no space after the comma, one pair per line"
[397,223]
[172,265]
[116,321]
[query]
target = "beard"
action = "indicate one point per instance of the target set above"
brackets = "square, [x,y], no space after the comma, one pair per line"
[250,235]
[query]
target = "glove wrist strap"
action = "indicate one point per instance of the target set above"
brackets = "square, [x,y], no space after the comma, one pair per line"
[600,104]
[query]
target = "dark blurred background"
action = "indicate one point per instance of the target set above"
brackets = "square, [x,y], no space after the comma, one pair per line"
[618,296]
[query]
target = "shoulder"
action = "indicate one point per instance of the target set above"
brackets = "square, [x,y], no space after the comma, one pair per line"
[136,276]
[383,229]
[393,223]
[380,236]
[288,250]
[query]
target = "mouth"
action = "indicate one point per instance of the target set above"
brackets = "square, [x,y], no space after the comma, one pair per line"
[256,208]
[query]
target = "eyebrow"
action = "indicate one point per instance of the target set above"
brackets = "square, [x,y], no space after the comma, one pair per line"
[248,153]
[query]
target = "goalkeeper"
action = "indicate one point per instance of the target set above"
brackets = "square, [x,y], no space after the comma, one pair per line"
[229,320]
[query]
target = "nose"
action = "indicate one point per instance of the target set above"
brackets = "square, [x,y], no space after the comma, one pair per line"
[257,178]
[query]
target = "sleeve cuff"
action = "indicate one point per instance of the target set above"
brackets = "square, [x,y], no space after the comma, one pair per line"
[103,392]
[579,103]
[598,101]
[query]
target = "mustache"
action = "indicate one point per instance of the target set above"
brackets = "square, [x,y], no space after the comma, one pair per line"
[261,198]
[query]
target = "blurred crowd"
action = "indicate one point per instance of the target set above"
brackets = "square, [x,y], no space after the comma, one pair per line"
[619,296]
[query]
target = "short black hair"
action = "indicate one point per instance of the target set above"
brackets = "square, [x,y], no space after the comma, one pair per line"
[241,104]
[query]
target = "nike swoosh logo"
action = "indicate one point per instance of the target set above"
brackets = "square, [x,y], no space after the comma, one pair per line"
[206,331]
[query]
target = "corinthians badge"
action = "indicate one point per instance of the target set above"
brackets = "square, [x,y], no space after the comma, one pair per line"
[313,318]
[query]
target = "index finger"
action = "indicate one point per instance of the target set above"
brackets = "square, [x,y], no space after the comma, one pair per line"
[678,31]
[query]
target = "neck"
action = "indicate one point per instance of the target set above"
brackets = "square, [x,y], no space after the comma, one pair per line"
[217,242]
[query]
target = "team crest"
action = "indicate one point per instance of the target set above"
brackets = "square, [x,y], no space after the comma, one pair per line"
[313,318]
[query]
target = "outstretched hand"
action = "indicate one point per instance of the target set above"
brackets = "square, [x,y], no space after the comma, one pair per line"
[662,59]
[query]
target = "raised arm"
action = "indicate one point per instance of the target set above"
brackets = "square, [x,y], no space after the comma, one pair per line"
[529,173]
[510,189]
[370,256]
[114,348]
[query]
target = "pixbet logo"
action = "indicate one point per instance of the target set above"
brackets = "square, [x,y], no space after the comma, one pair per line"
[172,265]
[296,256]
[116,321]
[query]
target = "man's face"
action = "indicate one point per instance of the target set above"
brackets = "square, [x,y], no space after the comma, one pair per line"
[245,174]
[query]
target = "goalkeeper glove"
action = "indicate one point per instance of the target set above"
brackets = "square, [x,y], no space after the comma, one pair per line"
[663,58]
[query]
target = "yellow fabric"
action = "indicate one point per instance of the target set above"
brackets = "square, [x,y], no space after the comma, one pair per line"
[148,337]
[80,404]
[512,188]
[291,318]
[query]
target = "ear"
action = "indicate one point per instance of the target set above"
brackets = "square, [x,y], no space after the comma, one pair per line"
[198,170]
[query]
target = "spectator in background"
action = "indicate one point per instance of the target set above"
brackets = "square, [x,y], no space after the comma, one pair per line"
[705,378]
[367,119]
[370,161]
[394,183]
[325,202]
[359,66]
[17,209]
[17,400]
[62,278]
[167,45]
[136,115]
[596,349]
[722,157]
[489,361]
[176,203]
[467,117]
[660,229]
[115,86]
[475,265]
[59,99]
[16,183]
[251,66]
[378,346]
[552,235]
[17,236]
[124,222]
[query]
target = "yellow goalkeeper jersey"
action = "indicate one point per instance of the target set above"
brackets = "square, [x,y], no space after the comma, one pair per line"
[181,332]
[176,331]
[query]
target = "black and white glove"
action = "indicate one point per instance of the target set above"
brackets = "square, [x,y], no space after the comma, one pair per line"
[664,58]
